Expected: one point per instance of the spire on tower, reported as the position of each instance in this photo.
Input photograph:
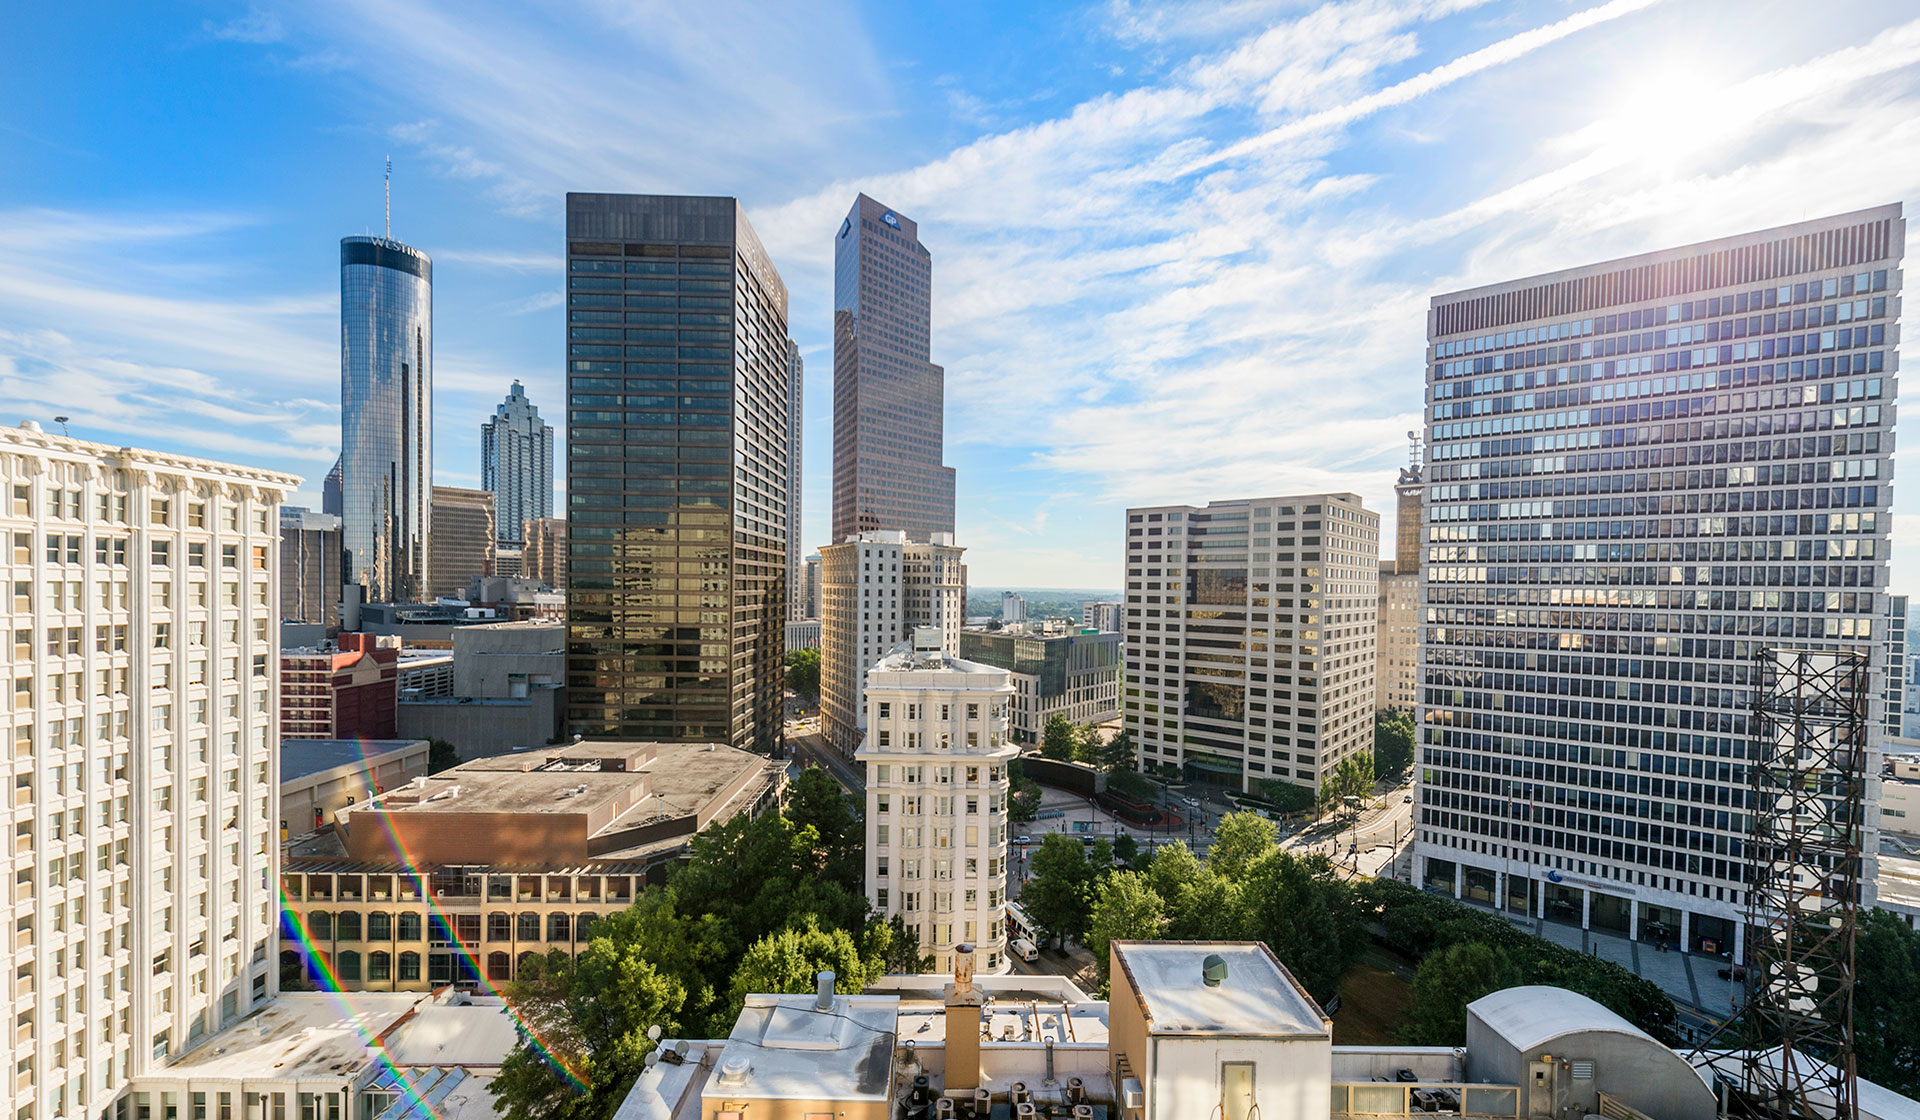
(389, 187)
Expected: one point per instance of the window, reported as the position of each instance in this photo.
(349, 965)
(529, 927)
(347, 927)
(409, 930)
(379, 965)
(410, 962)
(380, 928)
(320, 925)
(558, 926)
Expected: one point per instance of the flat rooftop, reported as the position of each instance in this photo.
(1257, 997)
(783, 1048)
(329, 1036)
(683, 778)
(300, 758)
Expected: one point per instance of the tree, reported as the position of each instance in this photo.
(1304, 914)
(1392, 744)
(1886, 1002)
(582, 1024)
(1088, 744)
(1057, 739)
(1241, 839)
(441, 755)
(1124, 909)
(791, 960)
(803, 673)
(1446, 983)
(1352, 777)
(1115, 756)
(1059, 894)
(816, 800)
(1285, 796)
(1126, 850)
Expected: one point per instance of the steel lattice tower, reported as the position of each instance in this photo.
(1804, 862)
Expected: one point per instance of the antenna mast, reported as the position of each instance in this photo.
(389, 187)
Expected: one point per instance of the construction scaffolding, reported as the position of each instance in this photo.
(1804, 865)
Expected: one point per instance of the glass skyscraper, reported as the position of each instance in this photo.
(1642, 474)
(677, 459)
(889, 399)
(516, 464)
(386, 416)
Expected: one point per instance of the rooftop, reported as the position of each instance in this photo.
(1257, 997)
(1532, 1016)
(301, 758)
(783, 1047)
(331, 1036)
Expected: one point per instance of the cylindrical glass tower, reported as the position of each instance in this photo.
(386, 416)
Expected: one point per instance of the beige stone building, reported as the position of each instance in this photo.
(464, 874)
(1250, 640)
(1397, 678)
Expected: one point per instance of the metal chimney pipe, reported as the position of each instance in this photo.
(823, 991)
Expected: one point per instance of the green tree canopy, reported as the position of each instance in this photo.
(1301, 909)
(803, 673)
(791, 959)
(1115, 755)
(1241, 839)
(1886, 1002)
(1058, 741)
(1124, 909)
(1446, 983)
(1392, 744)
(1059, 894)
(816, 800)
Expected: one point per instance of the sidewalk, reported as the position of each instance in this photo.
(1691, 979)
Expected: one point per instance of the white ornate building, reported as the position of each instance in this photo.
(143, 600)
(936, 755)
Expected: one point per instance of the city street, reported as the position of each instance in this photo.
(808, 747)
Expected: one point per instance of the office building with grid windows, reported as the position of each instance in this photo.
(142, 707)
(1250, 637)
(874, 590)
(889, 399)
(677, 419)
(1640, 475)
(386, 417)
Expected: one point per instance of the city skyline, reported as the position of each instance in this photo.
(1168, 206)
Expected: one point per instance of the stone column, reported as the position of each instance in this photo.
(1633, 919)
(1539, 889)
(1739, 942)
(1500, 891)
(1586, 908)
(1459, 878)
(1686, 929)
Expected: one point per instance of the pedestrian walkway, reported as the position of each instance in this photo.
(1691, 979)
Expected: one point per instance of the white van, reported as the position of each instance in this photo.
(1024, 949)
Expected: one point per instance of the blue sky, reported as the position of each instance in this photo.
(1182, 251)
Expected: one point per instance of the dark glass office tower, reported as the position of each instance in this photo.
(677, 405)
(889, 398)
(386, 416)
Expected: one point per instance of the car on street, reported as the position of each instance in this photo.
(1192, 801)
(1407, 799)
(1023, 839)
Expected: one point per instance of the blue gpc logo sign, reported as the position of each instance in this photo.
(890, 219)
(1554, 877)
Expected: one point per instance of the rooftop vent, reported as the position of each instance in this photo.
(1213, 970)
(823, 991)
(733, 1071)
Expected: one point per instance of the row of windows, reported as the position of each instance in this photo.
(346, 925)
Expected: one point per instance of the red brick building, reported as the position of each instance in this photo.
(348, 692)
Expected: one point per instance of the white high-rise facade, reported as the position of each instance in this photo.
(1640, 475)
(936, 755)
(796, 397)
(874, 589)
(516, 465)
(1250, 637)
(143, 709)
